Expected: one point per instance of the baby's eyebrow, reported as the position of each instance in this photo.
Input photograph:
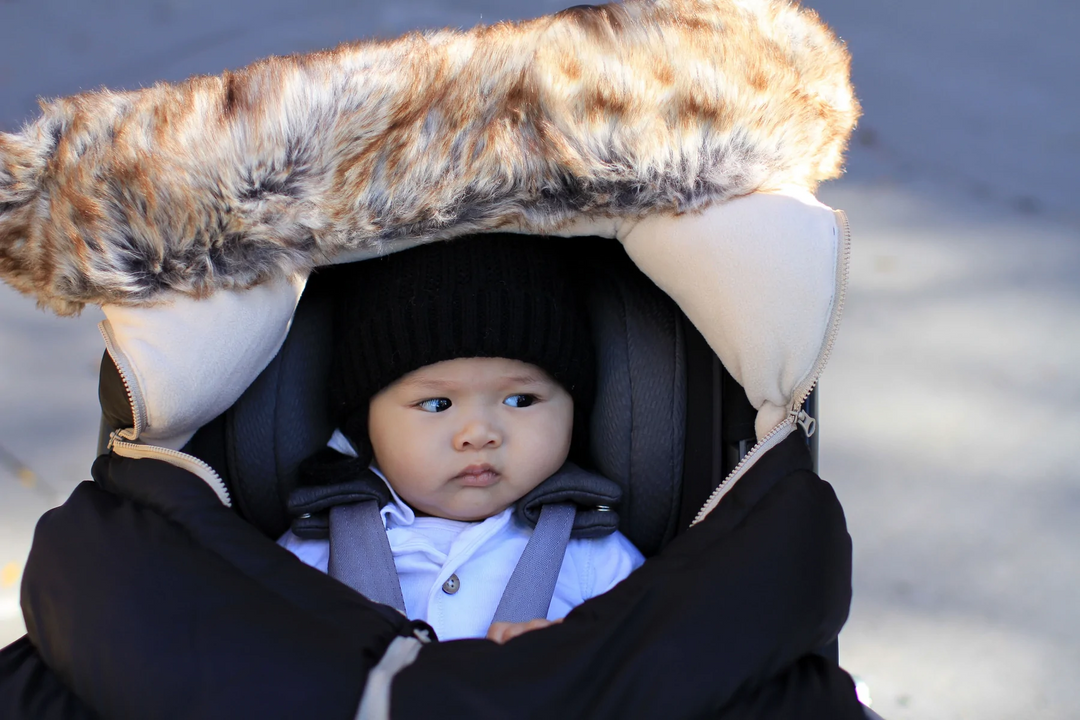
(429, 384)
(435, 384)
(525, 379)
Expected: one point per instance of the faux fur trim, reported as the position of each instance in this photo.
(619, 110)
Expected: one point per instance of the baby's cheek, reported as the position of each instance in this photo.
(405, 458)
(551, 446)
(564, 431)
(414, 470)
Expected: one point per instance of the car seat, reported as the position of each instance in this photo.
(668, 425)
(669, 422)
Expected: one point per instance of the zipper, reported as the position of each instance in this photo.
(805, 421)
(138, 407)
(195, 466)
(775, 436)
(797, 417)
(803, 390)
(122, 441)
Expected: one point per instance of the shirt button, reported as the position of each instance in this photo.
(452, 585)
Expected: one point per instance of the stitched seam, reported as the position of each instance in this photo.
(628, 503)
(675, 451)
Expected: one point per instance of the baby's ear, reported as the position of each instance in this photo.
(330, 467)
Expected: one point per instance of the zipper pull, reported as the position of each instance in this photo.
(807, 423)
(117, 436)
(121, 435)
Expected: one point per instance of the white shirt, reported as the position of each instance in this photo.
(428, 550)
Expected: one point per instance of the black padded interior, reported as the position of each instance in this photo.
(638, 421)
(282, 418)
(113, 396)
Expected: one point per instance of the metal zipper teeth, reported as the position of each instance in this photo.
(119, 440)
(138, 451)
(775, 436)
(781, 431)
(138, 411)
(840, 297)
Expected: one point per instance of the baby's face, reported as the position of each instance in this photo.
(464, 439)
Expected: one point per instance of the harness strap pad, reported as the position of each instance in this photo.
(360, 554)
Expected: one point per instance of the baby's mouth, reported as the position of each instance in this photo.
(477, 476)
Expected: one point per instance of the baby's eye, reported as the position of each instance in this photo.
(435, 405)
(520, 400)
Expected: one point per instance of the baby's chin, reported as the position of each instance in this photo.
(468, 511)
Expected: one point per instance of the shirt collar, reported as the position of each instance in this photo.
(396, 509)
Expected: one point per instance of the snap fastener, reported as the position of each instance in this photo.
(452, 585)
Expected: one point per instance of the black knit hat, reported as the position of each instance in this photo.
(483, 296)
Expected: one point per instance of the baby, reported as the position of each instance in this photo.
(464, 371)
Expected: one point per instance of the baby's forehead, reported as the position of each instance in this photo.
(477, 371)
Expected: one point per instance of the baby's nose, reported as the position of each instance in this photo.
(477, 433)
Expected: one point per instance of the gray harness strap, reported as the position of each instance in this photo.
(528, 592)
(360, 553)
(360, 557)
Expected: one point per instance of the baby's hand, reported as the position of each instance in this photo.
(500, 632)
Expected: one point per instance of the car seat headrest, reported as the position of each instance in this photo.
(636, 426)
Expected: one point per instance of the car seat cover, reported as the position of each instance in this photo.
(691, 130)
(756, 275)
